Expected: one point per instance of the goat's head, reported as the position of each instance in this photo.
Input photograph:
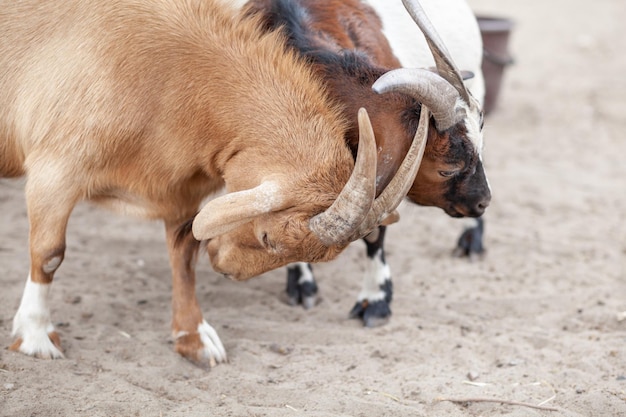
(452, 175)
(289, 218)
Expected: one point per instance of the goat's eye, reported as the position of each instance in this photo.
(447, 173)
(266, 242)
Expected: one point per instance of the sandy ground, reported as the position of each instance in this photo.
(536, 321)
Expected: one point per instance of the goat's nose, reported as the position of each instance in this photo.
(482, 206)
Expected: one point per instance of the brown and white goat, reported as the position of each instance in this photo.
(344, 42)
(147, 107)
(458, 28)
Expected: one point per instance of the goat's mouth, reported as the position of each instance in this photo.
(463, 211)
(454, 212)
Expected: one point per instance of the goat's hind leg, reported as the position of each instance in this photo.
(373, 302)
(50, 202)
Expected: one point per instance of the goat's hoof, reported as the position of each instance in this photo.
(44, 346)
(470, 243)
(203, 347)
(373, 313)
(471, 255)
(304, 294)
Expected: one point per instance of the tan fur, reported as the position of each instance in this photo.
(148, 106)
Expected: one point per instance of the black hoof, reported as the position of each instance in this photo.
(373, 314)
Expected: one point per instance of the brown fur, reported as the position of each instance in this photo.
(148, 106)
(429, 187)
(351, 26)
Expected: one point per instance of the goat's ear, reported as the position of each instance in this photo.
(467, 75)
(392, 218)
(227, 212)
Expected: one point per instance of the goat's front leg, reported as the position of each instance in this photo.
(195, 339)
(301, 285)
(50, 202)
(372, 305)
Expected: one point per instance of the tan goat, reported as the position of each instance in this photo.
(148, 106)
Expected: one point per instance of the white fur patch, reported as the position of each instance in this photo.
(376, 274)
(305, 272)
(32, 322)
(455, 23)
(472, 125)
(213, 347)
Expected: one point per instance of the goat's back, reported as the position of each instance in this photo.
(111, 88)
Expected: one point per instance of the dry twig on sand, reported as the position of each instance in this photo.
(495, 400)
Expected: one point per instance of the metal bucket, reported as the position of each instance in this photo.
(495, 33)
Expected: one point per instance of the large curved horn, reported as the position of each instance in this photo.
(399, 186)
(443, 60)
(231, 210)
(338, 223)
(427, 88)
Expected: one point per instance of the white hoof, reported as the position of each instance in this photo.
(32, 324)
(213, 350)
(38, 344)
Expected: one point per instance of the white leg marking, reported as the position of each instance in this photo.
(32, 322)
(213, 348)
(376, 274)
(305, 272)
